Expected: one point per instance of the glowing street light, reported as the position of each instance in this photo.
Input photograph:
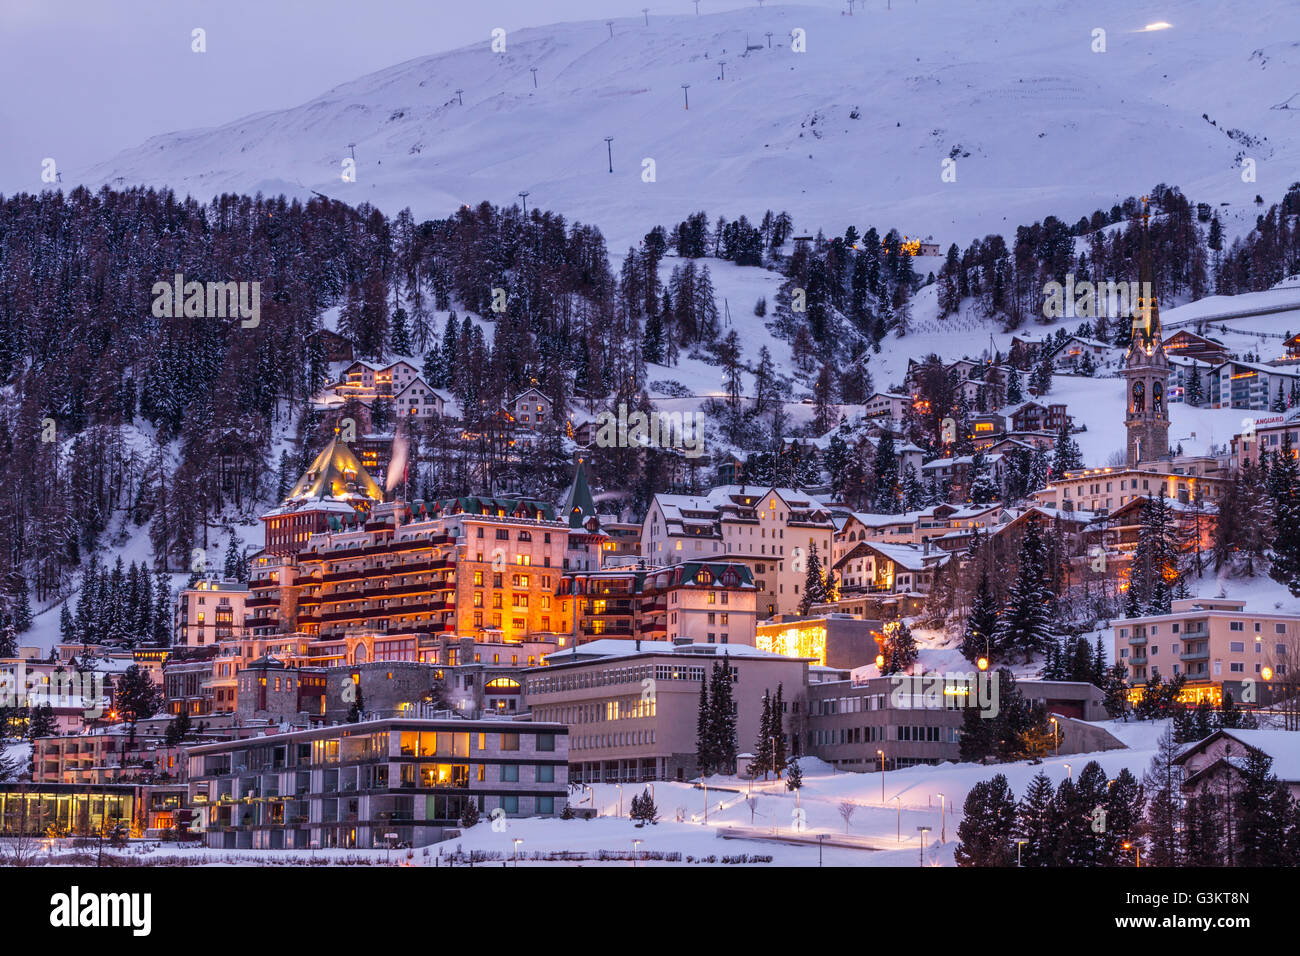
(881, 753)
(635, 844)
(518, 840)
(1019, 844)
(1138, 850)
(923, 831)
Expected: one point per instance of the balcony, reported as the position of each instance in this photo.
(1137, 659)
(1200, 654)
(1136, 641)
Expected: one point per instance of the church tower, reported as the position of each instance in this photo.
(1146, 369)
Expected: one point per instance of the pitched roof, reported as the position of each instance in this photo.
(578, 504)
(336, 473)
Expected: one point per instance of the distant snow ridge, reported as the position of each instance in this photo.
(852, 131)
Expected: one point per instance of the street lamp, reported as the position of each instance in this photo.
(686, 94)
(610, 149)
(882, 776)
(1069, 772)
(518, 840)
(923, 831)
(1056, 737)
(620, 798)
(1019, 844)
(899, 801)
(1138, 850)
(943, 818)
(821, 841)
(635, 844)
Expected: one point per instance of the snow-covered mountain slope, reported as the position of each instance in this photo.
(852, 131)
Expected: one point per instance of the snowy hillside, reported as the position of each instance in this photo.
(852, 131)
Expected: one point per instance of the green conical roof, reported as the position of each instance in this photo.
(578, 504)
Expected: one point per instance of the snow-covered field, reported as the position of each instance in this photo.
(852, 131)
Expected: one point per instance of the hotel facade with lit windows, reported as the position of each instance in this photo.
(1215, 644)
(1107, 489)
(770, 529)
(375, 783)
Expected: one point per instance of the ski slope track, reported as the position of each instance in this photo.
(852, 131)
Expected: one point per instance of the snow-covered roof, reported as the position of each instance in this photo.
(610, 647)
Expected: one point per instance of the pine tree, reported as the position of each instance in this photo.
(776, 731)
(1164, 782)
(136, 695)
(884, 478)
(1155, 569)
(40, 722)
(21, 604)
(984, 836)
(793, 775)
(1025, 624)
(1125, 804)
(1067, 456)
(814, 587)
(900, 651)
(722, 717)
(762, 761)
(706, 752)
(67, 625)
(8, 640)
(1034, 824)
(1015, 391)
(1283, 487)
(162, 613)
(1262, 814)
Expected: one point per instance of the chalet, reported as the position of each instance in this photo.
(1073, 349)
(1187, 343)
(419, 400)
(1215, 763)
(531, 410)
(887, 405)
(876, 567)
(335, 347)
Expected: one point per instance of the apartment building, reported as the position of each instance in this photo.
(1250, 385)
(1215, 643)
(770, 529)
(631, 706)
(208, 612)
(374, 783)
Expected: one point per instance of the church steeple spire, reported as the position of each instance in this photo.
(1146, 366)
(1146, 311)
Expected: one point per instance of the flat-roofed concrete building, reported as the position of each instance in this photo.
(374, 783)
(851, 723)
(631, 706)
